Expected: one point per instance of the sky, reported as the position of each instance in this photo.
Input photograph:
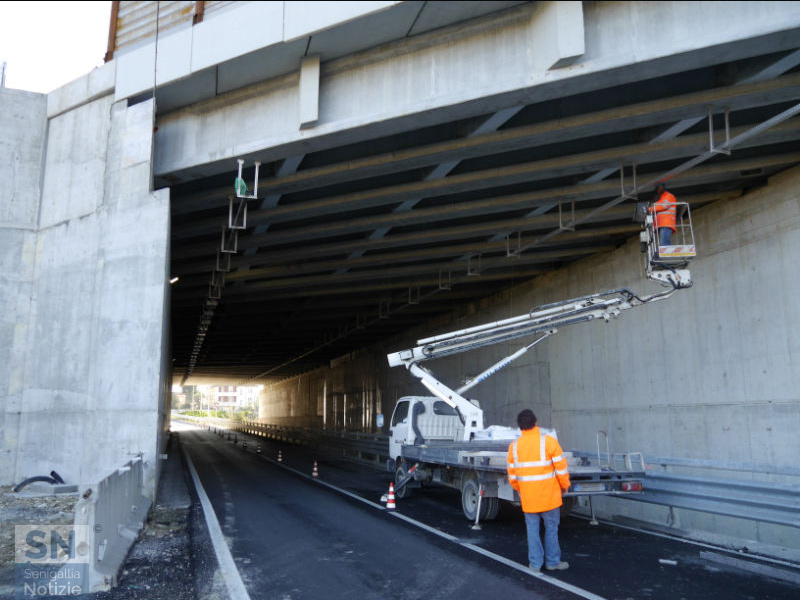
(48, 44)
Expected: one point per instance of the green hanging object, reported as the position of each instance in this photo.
(240, 186)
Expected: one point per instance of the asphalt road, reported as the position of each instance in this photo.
(293, 537)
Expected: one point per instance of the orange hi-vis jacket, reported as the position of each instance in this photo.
(537, 469)
(665, 211)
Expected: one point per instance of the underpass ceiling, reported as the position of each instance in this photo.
(347, 246)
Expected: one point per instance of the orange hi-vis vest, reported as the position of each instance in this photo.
(537, 469)
(665, 210)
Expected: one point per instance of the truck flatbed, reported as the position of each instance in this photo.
(589, 474)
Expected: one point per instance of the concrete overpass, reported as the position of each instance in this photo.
(424, 165)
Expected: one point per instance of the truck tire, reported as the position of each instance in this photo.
(399, 474)
(492, 508)
(470, 491)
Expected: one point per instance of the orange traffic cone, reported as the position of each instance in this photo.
(315, 472)
(280, 456)
(390, 505)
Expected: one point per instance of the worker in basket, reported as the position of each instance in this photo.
(665, 210)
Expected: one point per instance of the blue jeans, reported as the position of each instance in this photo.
(664, 236)
(551, 554)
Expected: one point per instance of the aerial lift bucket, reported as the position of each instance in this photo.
(667, 264)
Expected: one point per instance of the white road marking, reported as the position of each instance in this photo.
(450, 538)
(233, 580)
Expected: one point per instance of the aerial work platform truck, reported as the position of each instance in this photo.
(442, 439)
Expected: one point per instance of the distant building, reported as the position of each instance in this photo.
(233, 397)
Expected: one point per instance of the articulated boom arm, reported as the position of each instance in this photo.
(542, 322)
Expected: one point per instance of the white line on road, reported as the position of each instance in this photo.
(502, 559)
(233, 580)
(450, 538)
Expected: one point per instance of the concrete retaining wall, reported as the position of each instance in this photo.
(23, 122)
(85, 268)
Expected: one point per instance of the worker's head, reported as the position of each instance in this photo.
(660, 189)
(526, 419)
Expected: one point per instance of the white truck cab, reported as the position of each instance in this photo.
(417, 420)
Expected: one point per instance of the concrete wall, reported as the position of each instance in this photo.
(85, 267)
(347, 397)
(23, 121)
(710, 373)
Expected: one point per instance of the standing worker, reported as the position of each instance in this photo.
(665, 210)
(537, 469)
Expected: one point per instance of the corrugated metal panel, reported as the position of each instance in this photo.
(136, 20)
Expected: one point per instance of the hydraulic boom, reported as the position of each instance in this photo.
(541, 322)
(664, 264)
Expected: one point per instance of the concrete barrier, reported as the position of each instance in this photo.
(109, 516)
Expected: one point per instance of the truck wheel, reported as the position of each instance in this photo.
(470, 492)
(492, 508)
(399, 475)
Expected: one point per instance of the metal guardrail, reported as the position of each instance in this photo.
(367, 448)
(757, 501)
(754, 499)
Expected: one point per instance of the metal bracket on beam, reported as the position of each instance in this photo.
(224, 262)
(711, 147)
(241, 187)
(473, 271)
(238, 220)
(445, 283)
(413, 295)
(516, 252)
(570, 224)
(216, 285)
(634, 193)
(229, 246)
